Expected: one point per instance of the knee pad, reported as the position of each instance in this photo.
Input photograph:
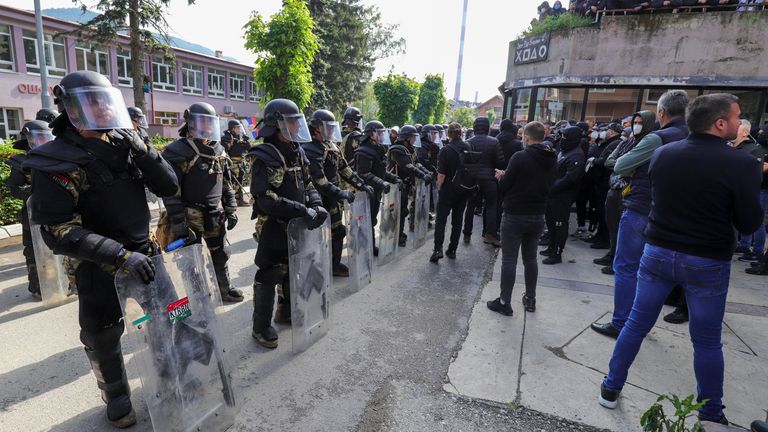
(103, 340)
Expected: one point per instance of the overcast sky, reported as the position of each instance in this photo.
(431, 29)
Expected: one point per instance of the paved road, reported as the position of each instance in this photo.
(382, 366)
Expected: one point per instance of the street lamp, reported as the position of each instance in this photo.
(44, 96)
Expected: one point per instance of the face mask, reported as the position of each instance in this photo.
(594, 135)
(637, 129)
(602, 135)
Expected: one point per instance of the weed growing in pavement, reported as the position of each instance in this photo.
(656, 420)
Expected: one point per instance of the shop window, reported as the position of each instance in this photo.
(166, 118)
(520, 112)
(163, 75)
(651, 97)
(215, 83)
(749, 102)
(607, 104)
(92, 58)
(236, 87)
(10, 122)
(192, 78)
(55, 53)
(555, 104)
(6, 48)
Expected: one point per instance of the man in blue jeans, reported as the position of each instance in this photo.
(670, 113)
(690, 241)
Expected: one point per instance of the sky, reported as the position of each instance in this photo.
(431, 29)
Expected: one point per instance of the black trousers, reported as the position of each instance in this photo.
(601, 192)
(613, 209)
(558, 214)
(405, 199)
(449, 202)
(29, 252)
(272, 260)
(519, 234)
(584, 201)
(489, 194)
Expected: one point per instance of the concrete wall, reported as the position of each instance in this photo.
(698, 49)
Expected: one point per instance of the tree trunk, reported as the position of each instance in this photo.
(137, 56)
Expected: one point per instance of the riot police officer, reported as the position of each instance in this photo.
(88, 196)
(205, 179)
(402, 161)
(237, 144)
(282, 189)
(140, 123)
(33, 134)
(46, 114)
(371, 166)
(326, 165)
(427, 154)
(351, 131)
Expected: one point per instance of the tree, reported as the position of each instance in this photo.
(286, 47)
(431, 105)
(366, 102)
(491, 114)
(143, 20)
(351, 37)
(464, 116)
(396, 96)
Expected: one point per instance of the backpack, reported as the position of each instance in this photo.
(464, 181)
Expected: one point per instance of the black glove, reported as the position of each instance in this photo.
(131, 140)
(386, 187)
(315, 217)
(179, 229)
(136, 263)
(428, 178)
(348, 196)
(369, 190)
(231, 221)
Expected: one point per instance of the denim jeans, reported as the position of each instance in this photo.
(757, 239)
(705, 282)
(519, 233)
(629, 249)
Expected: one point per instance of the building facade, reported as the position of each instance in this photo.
(624, 63)
(192, 77)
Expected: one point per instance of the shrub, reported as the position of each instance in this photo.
(10, 207)
(555, 23)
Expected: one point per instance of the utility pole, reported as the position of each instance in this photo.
(457, 91)
(44, 95)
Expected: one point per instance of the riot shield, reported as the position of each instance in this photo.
(309, 269)
(360, 242)
(54, 284)
(175, 325)
(435, 196)
(421, 213)
(389, 224)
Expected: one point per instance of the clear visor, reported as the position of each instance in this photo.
(435, 136)
(383, 135)
(97, 108)
(37, 138)
(417, 142)
(331, 131)
(238, 130)
(360, 124)
(294, 128)
(204, 127)
(443, 135)
(143, 122)
(246, 127)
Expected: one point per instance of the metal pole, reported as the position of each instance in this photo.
(44, 95)
(457, 90)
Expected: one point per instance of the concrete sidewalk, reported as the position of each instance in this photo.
(551, 361)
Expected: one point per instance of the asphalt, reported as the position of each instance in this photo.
(382, 366)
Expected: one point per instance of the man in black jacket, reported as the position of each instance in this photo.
(491, 158)
(524, 185)
(402, 162)
(570, 169)
(610, 139)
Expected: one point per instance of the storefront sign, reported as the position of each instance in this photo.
(533, 49)
(32, 88)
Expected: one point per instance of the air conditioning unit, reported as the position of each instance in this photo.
(228, 109)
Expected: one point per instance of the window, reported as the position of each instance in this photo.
(10, 122)
(124, 68)
(163, 75)
(520, 112)
(6, 48)
(55, 54)
(651, 97)
(604, 106)
(166, 118)
(236, 87)
(555, 104)
(92, 58)
(192, 79)
(749, 102)
(215, 83)
(257, 93)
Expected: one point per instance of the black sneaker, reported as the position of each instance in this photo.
(529, 303)
(496, 306)
(605, 260)
(451, 253)
(547, 252)
(608, 398)
(742, 249)
(761, 269)
(266, 338)
(436, 255)
(606, 329)
(607, 270)
(759, 426)
(553, 259)
(750, 257)
(678, 316)
(120, 412)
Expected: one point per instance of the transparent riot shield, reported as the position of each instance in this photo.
(309, 269)
(175, 325)
(389, 225)
(359, 238)
(54, 284)
(435, 196)
(421, 214)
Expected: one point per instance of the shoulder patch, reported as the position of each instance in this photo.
(62, 180)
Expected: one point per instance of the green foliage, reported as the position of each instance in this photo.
(366, 102)
(397, 95)
(159, 142)
(656, 420)
(10, 207)
(555, 23)
(286, 47)
(351, 37)
(464, 116)
(491, 114)
(431, 106)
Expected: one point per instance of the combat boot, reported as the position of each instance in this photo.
(403, 241)
(266, 337)
(282, 312)
(436, 255)
(232, 296)
(451, 252)
(340, 270)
